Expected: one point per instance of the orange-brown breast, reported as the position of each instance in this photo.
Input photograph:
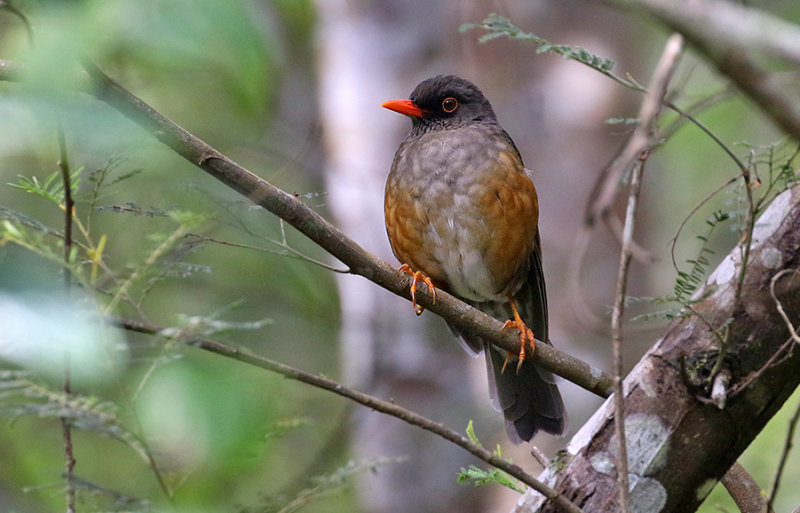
(407, 225)
(511, 210)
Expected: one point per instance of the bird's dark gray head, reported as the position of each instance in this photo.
(442, 102)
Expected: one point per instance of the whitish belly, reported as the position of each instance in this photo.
(460, 246)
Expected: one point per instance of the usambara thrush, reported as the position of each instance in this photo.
(462, 215)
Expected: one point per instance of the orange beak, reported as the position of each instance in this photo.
(406, 107)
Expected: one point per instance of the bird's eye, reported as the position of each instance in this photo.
(449, 104)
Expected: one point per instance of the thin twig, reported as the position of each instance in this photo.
(744, 251)
(779, 305)
(616, 336)
(639, 145)
(66, 426)
(787, 447)
(714, 137)
(772, 181)
(749, 226)
(369, 401)
(776, 358)
(674, 240)
(690, 114)
(69, 204)
(286, 250)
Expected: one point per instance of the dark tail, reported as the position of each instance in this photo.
(529, 399)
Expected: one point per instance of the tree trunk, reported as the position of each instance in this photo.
(679, 442)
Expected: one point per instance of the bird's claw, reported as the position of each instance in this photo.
(525, 336)
(416, 277)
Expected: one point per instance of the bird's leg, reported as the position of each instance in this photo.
(416, 277)
(525, 335)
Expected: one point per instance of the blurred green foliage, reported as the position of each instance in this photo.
(157, 239)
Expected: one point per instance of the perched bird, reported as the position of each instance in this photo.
(462, 215)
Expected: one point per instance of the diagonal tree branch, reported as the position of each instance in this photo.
(66, 425)
(369, 401)
(318, 229)
(725, 33)
(726, 23)
(787, 447)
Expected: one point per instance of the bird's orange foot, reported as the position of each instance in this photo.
(416, 277)
(525, 336)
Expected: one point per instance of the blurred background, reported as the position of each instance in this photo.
(291, 89)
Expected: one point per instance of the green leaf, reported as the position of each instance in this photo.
(500, 26)
(478, 477)
(52, 188)
(471, 434)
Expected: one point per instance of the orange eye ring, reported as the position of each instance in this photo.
(449, 104)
